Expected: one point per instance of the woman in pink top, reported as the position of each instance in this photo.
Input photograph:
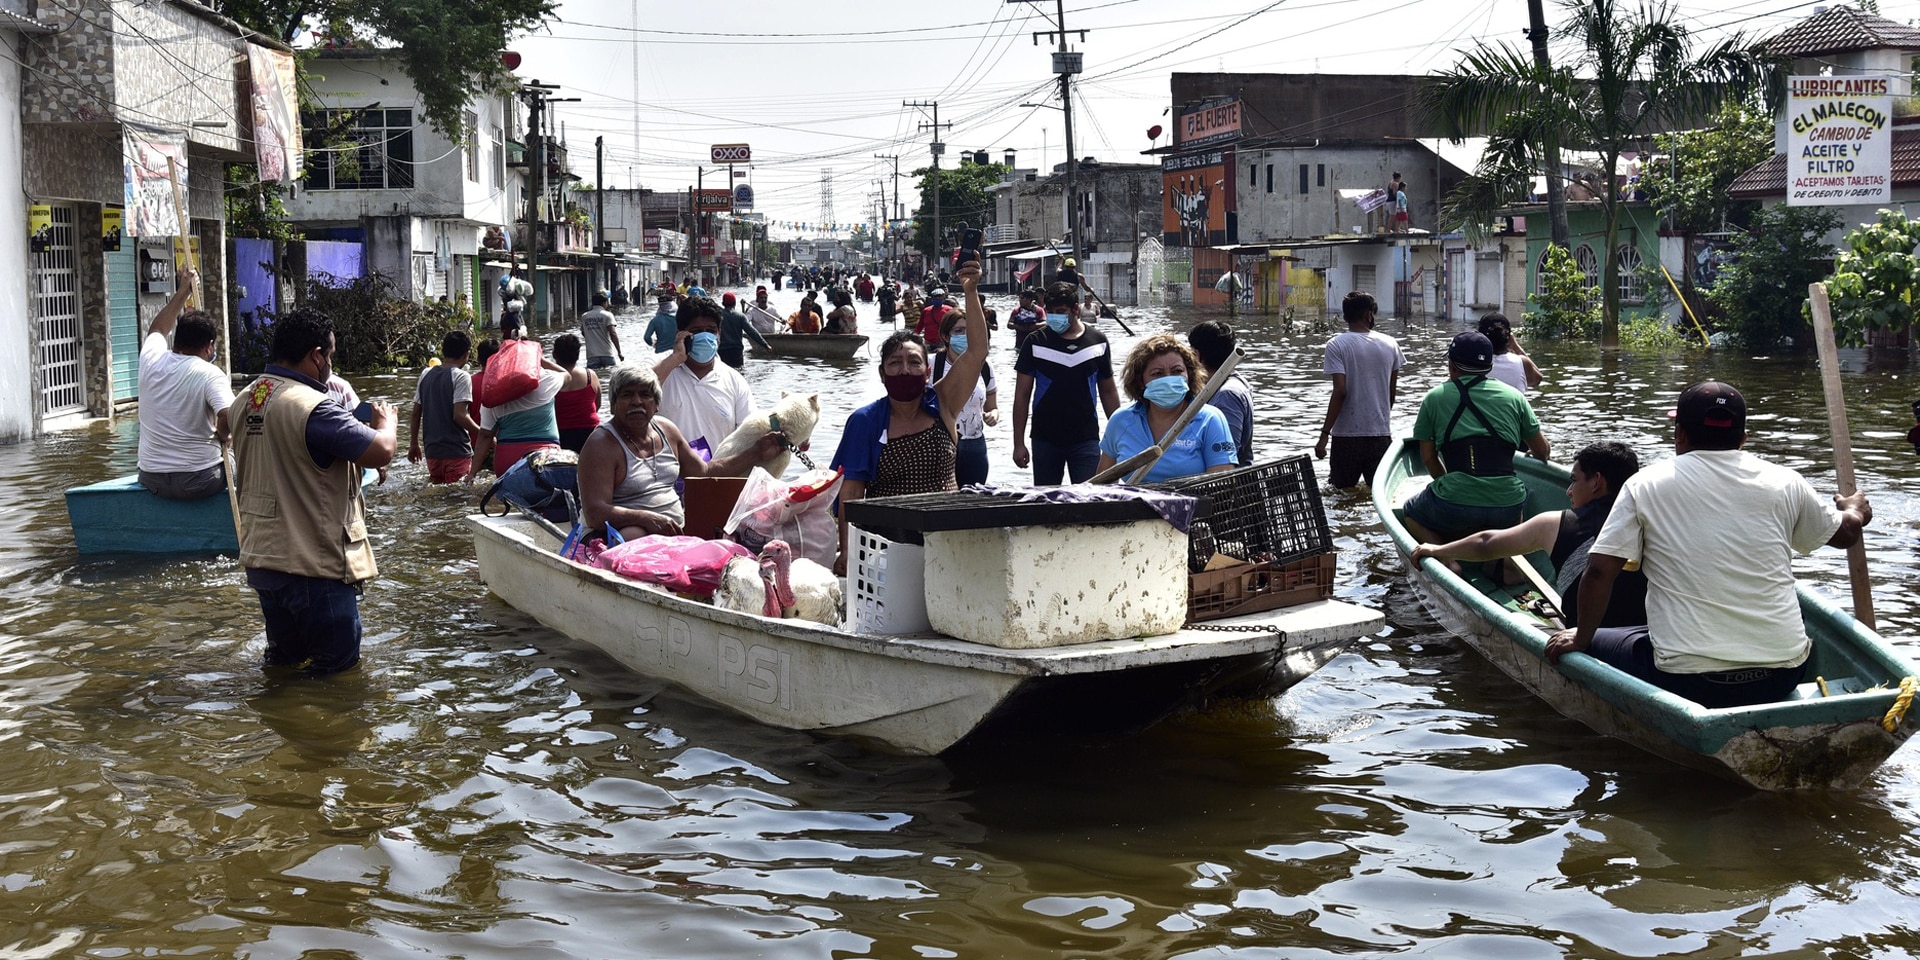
(575, 412)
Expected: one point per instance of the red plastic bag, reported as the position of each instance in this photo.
(681, 564)
(511, 373)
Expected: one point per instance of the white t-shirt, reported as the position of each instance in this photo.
(1369, 361)
(1509, 369)
(179, 397)
(1715, 532)
(710, 407)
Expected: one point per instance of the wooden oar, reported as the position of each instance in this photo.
(1544, 588)
(1151, 455)
(227, 463)
(1842, 445)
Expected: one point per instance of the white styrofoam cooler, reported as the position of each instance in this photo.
(1024, 587)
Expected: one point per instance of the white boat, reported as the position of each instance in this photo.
(917, 693)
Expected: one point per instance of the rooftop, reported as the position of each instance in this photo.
(1843, 29)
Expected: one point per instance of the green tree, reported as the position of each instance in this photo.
(1688, 184)
(1764, 289)
(451, 47)
(964, 202)
(1876, 280)
(1633, 71)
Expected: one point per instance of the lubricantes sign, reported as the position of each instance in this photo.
(1214, 121)
(1839, 141)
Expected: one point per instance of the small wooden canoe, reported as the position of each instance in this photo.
(825, 346)
(1813, 741)
(121, 516)
(917, 693)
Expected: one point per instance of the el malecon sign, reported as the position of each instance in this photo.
(1839, 141)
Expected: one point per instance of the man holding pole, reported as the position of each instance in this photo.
(1714, 529)
(183, 402)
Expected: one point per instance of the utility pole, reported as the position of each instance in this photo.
(537, 95)
(1066, 63)
(1556, 188)
(600, 208)
(937, 148)
(893, 233)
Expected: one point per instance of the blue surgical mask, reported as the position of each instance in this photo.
(957, 343)
(702, 347)
(1166, 392)
(1059, 322)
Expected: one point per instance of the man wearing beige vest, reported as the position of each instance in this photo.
(303, 525)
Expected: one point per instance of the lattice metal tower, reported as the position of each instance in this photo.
(826, 195)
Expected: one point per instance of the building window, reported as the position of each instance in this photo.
(1633, 285)
(1253, 175)
(1269, 178)
(382, 160)
(470, 123)
(499, 159)
(1589, 264)
(1319, 174)
(1303, 178)
(1540, 270)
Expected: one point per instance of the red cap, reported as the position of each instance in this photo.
(727, 299)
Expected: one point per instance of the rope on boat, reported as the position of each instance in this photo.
(1822, 681)
(1898, 711)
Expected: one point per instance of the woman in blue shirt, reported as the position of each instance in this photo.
(1161, 375)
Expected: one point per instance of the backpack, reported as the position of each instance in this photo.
(546, 481)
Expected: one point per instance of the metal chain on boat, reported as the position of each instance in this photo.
(1225, 628)
(1898, 711)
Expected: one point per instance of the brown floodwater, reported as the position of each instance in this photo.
(487, 788)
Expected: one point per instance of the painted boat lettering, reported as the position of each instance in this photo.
(765, 670)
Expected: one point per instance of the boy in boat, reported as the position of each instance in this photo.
(1599, 470)
(183, 403)
(1714, 529)
(1469, 429)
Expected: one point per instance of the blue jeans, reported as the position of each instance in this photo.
(1051, 460)
(313, 625)
(1450, 521)
(970, 461)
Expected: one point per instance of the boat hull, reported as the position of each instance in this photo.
(121, 516)
(1810, 742)
(824, 346)
(917, 694)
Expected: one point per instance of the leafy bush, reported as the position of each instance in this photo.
(372, 328)
(1652, 332)
(1761, 293)
(1876, 280)
(1567, 306)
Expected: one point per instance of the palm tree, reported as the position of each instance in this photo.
(1634, 73)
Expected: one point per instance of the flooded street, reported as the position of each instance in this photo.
(486, 788)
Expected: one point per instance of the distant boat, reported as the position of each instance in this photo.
(825, 346)
(1819, 739)
(121, 516)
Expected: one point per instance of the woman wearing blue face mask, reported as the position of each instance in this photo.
(982, 409)
(1161, 375)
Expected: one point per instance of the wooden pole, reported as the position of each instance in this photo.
(193, 300)
(1842, 445)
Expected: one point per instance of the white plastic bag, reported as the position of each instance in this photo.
(799, 512)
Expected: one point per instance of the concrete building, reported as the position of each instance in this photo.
(19, 411)
(1282, 179)
(422, 204)
(113, 87)
(1118, 208)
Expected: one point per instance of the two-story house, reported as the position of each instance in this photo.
(120, 105)
(422, 204)
(1117, 208)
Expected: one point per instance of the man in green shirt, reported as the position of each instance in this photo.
(1469, 429)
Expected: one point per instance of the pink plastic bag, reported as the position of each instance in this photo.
(681, 564)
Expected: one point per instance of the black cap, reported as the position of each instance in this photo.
(1713, 405)
(1471, 352)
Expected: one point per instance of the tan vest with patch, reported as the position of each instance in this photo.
(295, 517)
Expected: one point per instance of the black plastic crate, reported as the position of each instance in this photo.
(1268, 512)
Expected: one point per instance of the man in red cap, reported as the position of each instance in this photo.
(735, 330)
(1714, 529)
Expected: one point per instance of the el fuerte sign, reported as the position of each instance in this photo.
(1839, 141)
(1213, 121)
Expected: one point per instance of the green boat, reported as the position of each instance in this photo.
(1831, 739)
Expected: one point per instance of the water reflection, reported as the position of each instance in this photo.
(486, 788)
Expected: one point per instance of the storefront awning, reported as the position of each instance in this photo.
(1041, 253)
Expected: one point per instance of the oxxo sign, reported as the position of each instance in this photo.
(732, 153)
